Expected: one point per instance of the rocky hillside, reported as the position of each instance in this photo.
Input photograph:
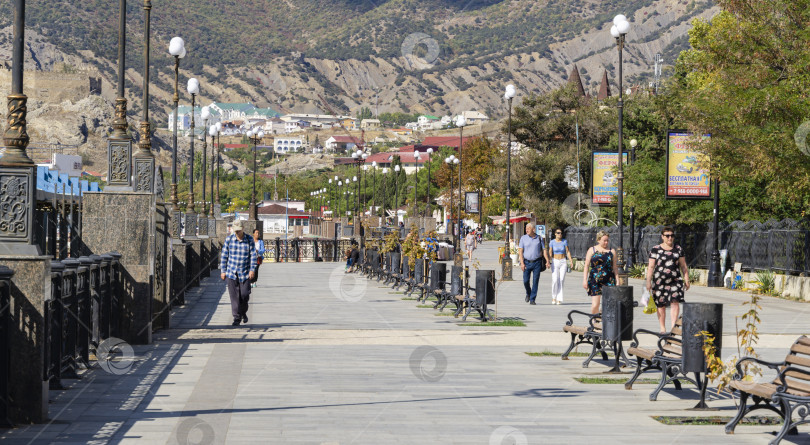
(396, 55)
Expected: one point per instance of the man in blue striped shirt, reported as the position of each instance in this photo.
(238, 266)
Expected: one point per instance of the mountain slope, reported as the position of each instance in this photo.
(396, 55)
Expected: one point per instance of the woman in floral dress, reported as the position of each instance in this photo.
(600, 269)
(667, 277)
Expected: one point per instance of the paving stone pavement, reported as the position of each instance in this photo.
(330, 358)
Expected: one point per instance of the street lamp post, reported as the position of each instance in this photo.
(383, 184)
(416, 158)
(255, 138)
(144, 159)
(205, 115)
(396, 195)
(449, 221)
(212, 131)
(427, 209)
(461, 122)
(715, 278)
(193, 88)
(619, 31)
(338, 191)
(631, 258)
(119, 146)
(219, 131)
(506, 272)
(178, 50)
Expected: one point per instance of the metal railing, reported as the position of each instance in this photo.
(83, 310)
(774, 245)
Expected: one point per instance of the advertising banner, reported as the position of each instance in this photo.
(471, 202)
(687, 169)
(604, 184)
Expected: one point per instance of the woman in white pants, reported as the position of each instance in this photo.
(559, 265)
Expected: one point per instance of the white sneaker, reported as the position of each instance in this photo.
(553, 301)
(559, 302)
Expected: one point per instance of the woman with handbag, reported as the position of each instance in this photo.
(667, 277)
(559, 265)
(600, 269)
(259, 245)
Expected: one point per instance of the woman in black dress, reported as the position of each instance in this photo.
(600, 269)
(667, 277)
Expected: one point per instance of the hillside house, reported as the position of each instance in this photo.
(341, 144)
(286, 145)
(370, 124)
(475, 117)
(428, 122)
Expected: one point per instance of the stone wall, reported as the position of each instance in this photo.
(54, 87)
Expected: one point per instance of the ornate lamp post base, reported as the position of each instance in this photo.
(506, 273)
(621, 279)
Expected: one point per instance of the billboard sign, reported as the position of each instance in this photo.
(687, 169)
(604, 184)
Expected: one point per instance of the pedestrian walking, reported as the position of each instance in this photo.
(259, 245)
(667, 277)
(559, 265)
(533, 258)
(471, 241)
(600, 269)
(238, 266)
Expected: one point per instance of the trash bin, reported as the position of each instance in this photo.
(699, 317)
(617, 313)
(395, 263)
(419, 271)
(456, 280)
(485, 288)
(438, 276)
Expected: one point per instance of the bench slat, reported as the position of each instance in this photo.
(765, 390)
(803, 340)
(798, 360)
(676, 330)
(672, 349)
(800, 349)
(801, 388)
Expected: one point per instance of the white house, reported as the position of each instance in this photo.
(231, 111)
(295, 126)
(427, 121)
(274, 126)
(342, 144)
(286, 145)
(474, 117)
(370, 124)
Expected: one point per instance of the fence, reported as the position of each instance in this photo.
(775, 245)
(82, 310)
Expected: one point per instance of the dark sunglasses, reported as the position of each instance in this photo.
(668, 236)
(560, 233)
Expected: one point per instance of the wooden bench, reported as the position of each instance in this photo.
(665, 356)
(466, 303)
(585, 333)
(787, 392)
(444, 297)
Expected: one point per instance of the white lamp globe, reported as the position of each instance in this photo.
(618, 19)
(429, 150)
(354, 155)
(182, 53)
(354, 178)
(330, 181)
(250, 133)
(206, 113)
(365, 156)
(336, 178)
(219, 126)
(456, 161)
(374, 163)
(447, 160)
(261, 133)
(461, 121)
(212, 130)
(510, 91)
(193, 86)
(340, 183)
(614, 31)
(385, 171)
(623, 27)
(396, 168)
(176, 45)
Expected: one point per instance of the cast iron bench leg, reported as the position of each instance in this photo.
(564, 356)
(595, 343)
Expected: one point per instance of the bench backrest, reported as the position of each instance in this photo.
(673, 346)
(798, 378)
(456, 280)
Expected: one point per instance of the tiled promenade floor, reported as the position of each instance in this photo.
(333, 359)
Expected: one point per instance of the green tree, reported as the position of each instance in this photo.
(745, 81)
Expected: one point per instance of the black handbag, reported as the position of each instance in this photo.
(542, 263)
